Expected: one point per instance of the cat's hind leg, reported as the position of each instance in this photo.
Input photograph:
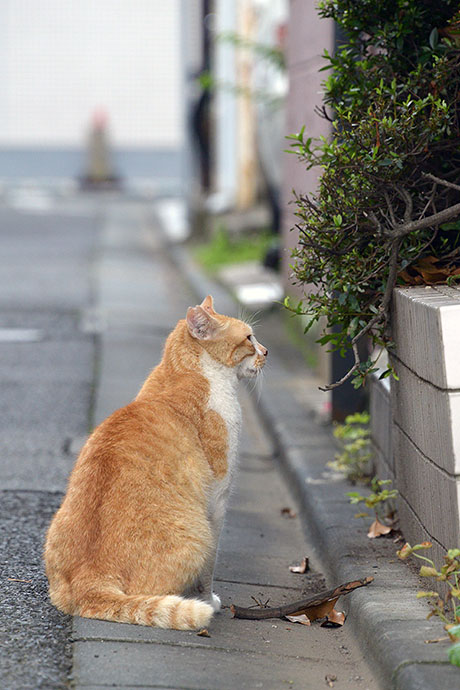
(204, 586)
(216, 517)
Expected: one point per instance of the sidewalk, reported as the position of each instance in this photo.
(388, 620)
(140, 297)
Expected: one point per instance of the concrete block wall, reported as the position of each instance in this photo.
(416, 427)
(382, 422)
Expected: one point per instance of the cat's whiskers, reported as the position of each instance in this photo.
(252, 319)
(249, 317)
(257, 387)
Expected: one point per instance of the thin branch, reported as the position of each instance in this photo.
(445, 183)
(382, 315)
(386, 218)
(435, 219)
(406, 197)
(298, 607)
(391, 281)
(430, 200)
(322, 112)
(349, 374)
(307, 241)
(392, 274)
(390, 208)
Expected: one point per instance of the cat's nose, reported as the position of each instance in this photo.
(259, 348)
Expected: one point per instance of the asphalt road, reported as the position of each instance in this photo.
(46, 374)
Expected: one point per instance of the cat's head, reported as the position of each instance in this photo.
(227, 340)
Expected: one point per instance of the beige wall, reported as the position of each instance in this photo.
(308, 36)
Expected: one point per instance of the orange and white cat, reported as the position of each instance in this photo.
(140, 523)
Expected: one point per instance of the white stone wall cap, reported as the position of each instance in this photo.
(426, 325)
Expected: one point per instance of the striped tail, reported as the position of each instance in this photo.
(166, 611)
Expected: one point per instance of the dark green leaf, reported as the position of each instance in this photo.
(434, 38)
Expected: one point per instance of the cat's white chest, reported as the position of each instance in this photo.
(223, 400)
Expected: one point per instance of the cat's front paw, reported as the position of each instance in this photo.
(215, 602)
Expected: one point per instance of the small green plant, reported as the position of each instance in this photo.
(355, 456)
(380, 500)
(447, 607)
(223, 248)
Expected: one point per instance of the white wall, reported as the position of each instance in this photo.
(60, 60)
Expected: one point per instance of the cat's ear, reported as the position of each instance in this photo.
(201, 324)
(208, 305)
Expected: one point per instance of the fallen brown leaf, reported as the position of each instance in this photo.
(377, 529)
(330, 680)
(430, 270)
(315, 612)
(288, 513)
(203, 633)
(302, 568)
(335, 619)
(303, 619)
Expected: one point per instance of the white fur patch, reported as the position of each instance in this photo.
(256, 344)
(223, 400)
(215, 603)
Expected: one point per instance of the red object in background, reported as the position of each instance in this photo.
(100, 119)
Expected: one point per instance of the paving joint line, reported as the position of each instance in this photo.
(195, 645)
(255, 584)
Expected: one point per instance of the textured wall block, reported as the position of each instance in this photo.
(429, 416)
(426, 329)
(431, 493)
(381, 468)
(381, 418)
